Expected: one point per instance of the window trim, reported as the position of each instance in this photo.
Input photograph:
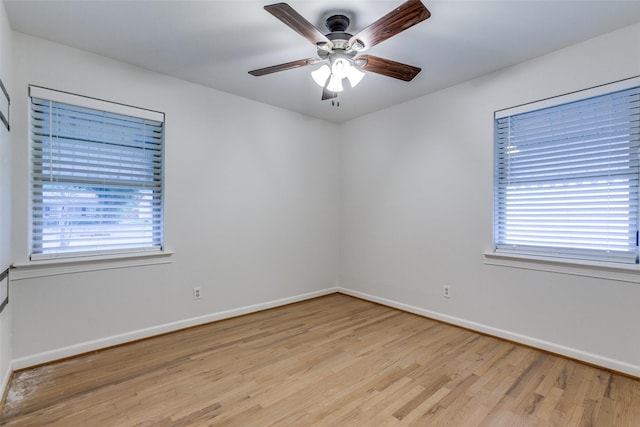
(95, 103)
(54, 267)
(574, 267)
(569, 97)
(82, 260)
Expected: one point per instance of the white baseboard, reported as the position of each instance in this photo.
(591, 358)
(85, 347)
(61, 353)
(6, 377)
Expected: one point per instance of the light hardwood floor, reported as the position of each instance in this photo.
(330, 361)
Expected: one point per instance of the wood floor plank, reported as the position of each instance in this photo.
(334, 360)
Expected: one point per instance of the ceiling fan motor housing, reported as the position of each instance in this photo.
(337, 26)
(337, 23)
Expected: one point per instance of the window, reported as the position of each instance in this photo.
(96, 176)
(567, 175)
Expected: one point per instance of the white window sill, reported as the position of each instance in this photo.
(53, 267)
(600, 270)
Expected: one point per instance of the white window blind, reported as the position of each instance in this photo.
(567, 177)
(97, 176)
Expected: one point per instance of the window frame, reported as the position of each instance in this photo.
(522, 257)
(70, 257)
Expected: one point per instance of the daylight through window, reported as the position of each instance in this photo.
(97, 176)
(567, 176)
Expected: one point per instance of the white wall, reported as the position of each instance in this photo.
(261, 202)
(417, 213)
(251, 211)
(5, 199)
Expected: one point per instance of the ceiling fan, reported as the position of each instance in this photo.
(339, 51)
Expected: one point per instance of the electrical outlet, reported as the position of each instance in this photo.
(196, 293)
(446, 291)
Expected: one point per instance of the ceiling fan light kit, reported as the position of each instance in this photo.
(338, 50)
(340, 69)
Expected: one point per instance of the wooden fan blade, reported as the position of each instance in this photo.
(327, 94)
(405, 16)
(389, 68)
(295, 21)
(286, 66)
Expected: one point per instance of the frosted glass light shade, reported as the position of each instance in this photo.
(354, 76)
(340, 68)
(321, 75)
(335, 84)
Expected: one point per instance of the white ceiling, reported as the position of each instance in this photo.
(215, 42)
